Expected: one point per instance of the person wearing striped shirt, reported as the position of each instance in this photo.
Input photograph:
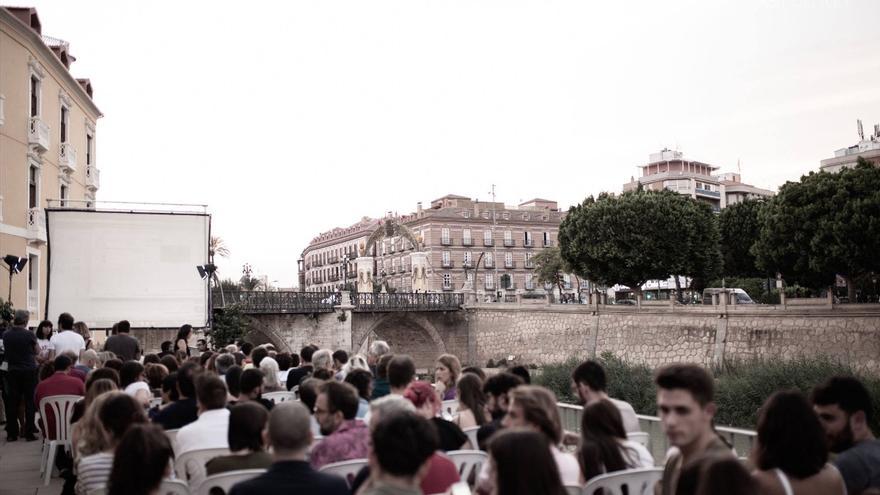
(117, 415)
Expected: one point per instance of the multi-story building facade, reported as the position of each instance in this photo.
(485, 245)
(47, 147)
(869, 149)
(670, 170)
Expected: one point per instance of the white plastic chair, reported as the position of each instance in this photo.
(172, 437)
(345, 469)
(155, 402)
(224, 481)
(450, 408)
(173, 487)
(574, 489)
(637, 482)
(641, 437)
(279, 397)
(471, 433)
(62, 409)
(190, 465)
(468, 462)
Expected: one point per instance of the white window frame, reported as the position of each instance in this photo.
(527, 238)
(35, 280)
(466, 235)
(468, 257)
(444, 235)
(445, 257)
(447, 280)
(489, 259)
(36, 164)
(487, 235)
(489, 281)
(508, 259)
(34, 74)
(508, 236)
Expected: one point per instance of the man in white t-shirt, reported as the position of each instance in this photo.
(209, 431)
(67, 339)
(589, 382)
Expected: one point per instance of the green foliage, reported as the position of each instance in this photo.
(6, 313)
(557, 377)
(739, 228)
(229, 326)
(549, 267)
(826, 224)
(228, 284)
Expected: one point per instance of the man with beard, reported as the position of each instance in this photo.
(588, 381)
(496, 389)
(844, 409)
(345, 437)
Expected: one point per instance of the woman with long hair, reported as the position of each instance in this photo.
(446, 374)
(88, 436)
(141, 461)
(714, 474)
(269, 367)
(44, 334)
(471, 402)
(520, 465)
(791, 453)
(604, 446)
(81, 328)
(181, 342)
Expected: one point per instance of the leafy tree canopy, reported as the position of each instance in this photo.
(739, 229)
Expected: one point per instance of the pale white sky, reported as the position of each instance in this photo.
(290, 118)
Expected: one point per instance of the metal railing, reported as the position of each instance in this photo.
(39, 133)
(509, 243)
(67, 157)
(740, 439)
(488, 242)
(467, 241)
(93, 178)
(36, 224)
(407, 301)
(277, 302)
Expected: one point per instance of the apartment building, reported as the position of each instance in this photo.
(47, 147)
(669, 169)
(488, 246)
(869, 149)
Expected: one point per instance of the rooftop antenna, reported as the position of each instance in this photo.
(861, 131)
(738, 167)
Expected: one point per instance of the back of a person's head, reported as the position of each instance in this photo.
(340, 356)
(247, 348)
(205, 359)
(501, 383)
(223, 363)
(847, 392)
(140, 461)
(89, 355)
(184, 332)
(379, 348)
(123, 326)
(119, 413)
(20, 317)
(360, 380)
(713, 474)
(308, 392)
(165, 346)
(186, 376)
(420, 393)
(239, 358)
(97, 387)
(790, 436)
(522, 372)
(62, 362)
(246, 424)
(233, 380)
(692, 378)
(113, 363)
(306, 352)
(382, 366)
(523, 463)
(258, 354)
(538, 406)
(294, 360)
(592, 374)
(151, 359)
(65, 321)
(169, 386)
(250, 380)
(155, 373)
(170, 362)
(108, 373)
(341, 397)
(601, 433)
(284, 361)
(403, 442)
(322, 359)
(130, 373)
(401, 371)
(475, 370)
(470, 393)
(211, 391)
(386, 405)
(289, 427)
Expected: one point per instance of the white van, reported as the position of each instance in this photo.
(742, 297)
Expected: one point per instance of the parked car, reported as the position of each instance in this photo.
(625, 302)
(742, 297)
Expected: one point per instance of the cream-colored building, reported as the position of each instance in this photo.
(47, 148)
(869, 149)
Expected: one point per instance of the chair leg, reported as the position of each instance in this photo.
(50, 462)
(44, 452)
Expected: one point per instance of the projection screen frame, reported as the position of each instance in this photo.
(46, 211)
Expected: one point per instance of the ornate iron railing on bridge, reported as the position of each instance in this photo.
(409, 301)
(277, 302)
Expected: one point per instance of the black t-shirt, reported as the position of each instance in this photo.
(178, 414)
(19, 344)
(296, 375)
(450, 435)
(484, 434)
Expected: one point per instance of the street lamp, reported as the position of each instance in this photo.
(206, 272)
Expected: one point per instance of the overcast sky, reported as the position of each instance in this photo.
(291, 118)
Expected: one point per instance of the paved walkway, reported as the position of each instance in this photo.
(20, 469)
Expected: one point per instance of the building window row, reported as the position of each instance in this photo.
(489, 238)
(467, 260)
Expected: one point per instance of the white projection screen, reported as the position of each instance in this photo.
(107, 266)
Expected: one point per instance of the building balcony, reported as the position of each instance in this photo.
(510, 264)
(318, 263)
(447, 286)
(33, 301)
(467, 264)
(489, 285)
(446, 241)
(333, 260)
(510, 287)
(93, 180)
(38, 134)
(36, 225)
(467, 241)
(509, 243)
(488, 242)
(529, 243)
(529, 264)
(548, 243)
(707, 193)
(530, 286)
(333, 278)
(446, 263)
(67, 158)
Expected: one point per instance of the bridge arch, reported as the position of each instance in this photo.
(406, 333)
(391, 228)
(259, 333)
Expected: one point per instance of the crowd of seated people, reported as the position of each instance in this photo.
(293, 416)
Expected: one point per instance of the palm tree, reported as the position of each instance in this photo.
(218, 247)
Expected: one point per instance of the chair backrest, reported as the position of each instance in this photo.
(172, 437)
(450, 407)
(224, 481)
(468, 462)
(278, 397)
(636, 481)
(155, 402)
(640, 437)
(61, 407)
(173, 487)
(471, 433)
(346, 469)
(574, 489)
(190, 465)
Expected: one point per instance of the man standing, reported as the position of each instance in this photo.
(589, 382)
(845, 411)
(67, 339)
(122, 344)
(685, 402)
(345, 437)
(21, 350)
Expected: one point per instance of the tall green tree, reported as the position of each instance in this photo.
(823, 225)
(549, 267)
(699, 255)
(739, 229)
